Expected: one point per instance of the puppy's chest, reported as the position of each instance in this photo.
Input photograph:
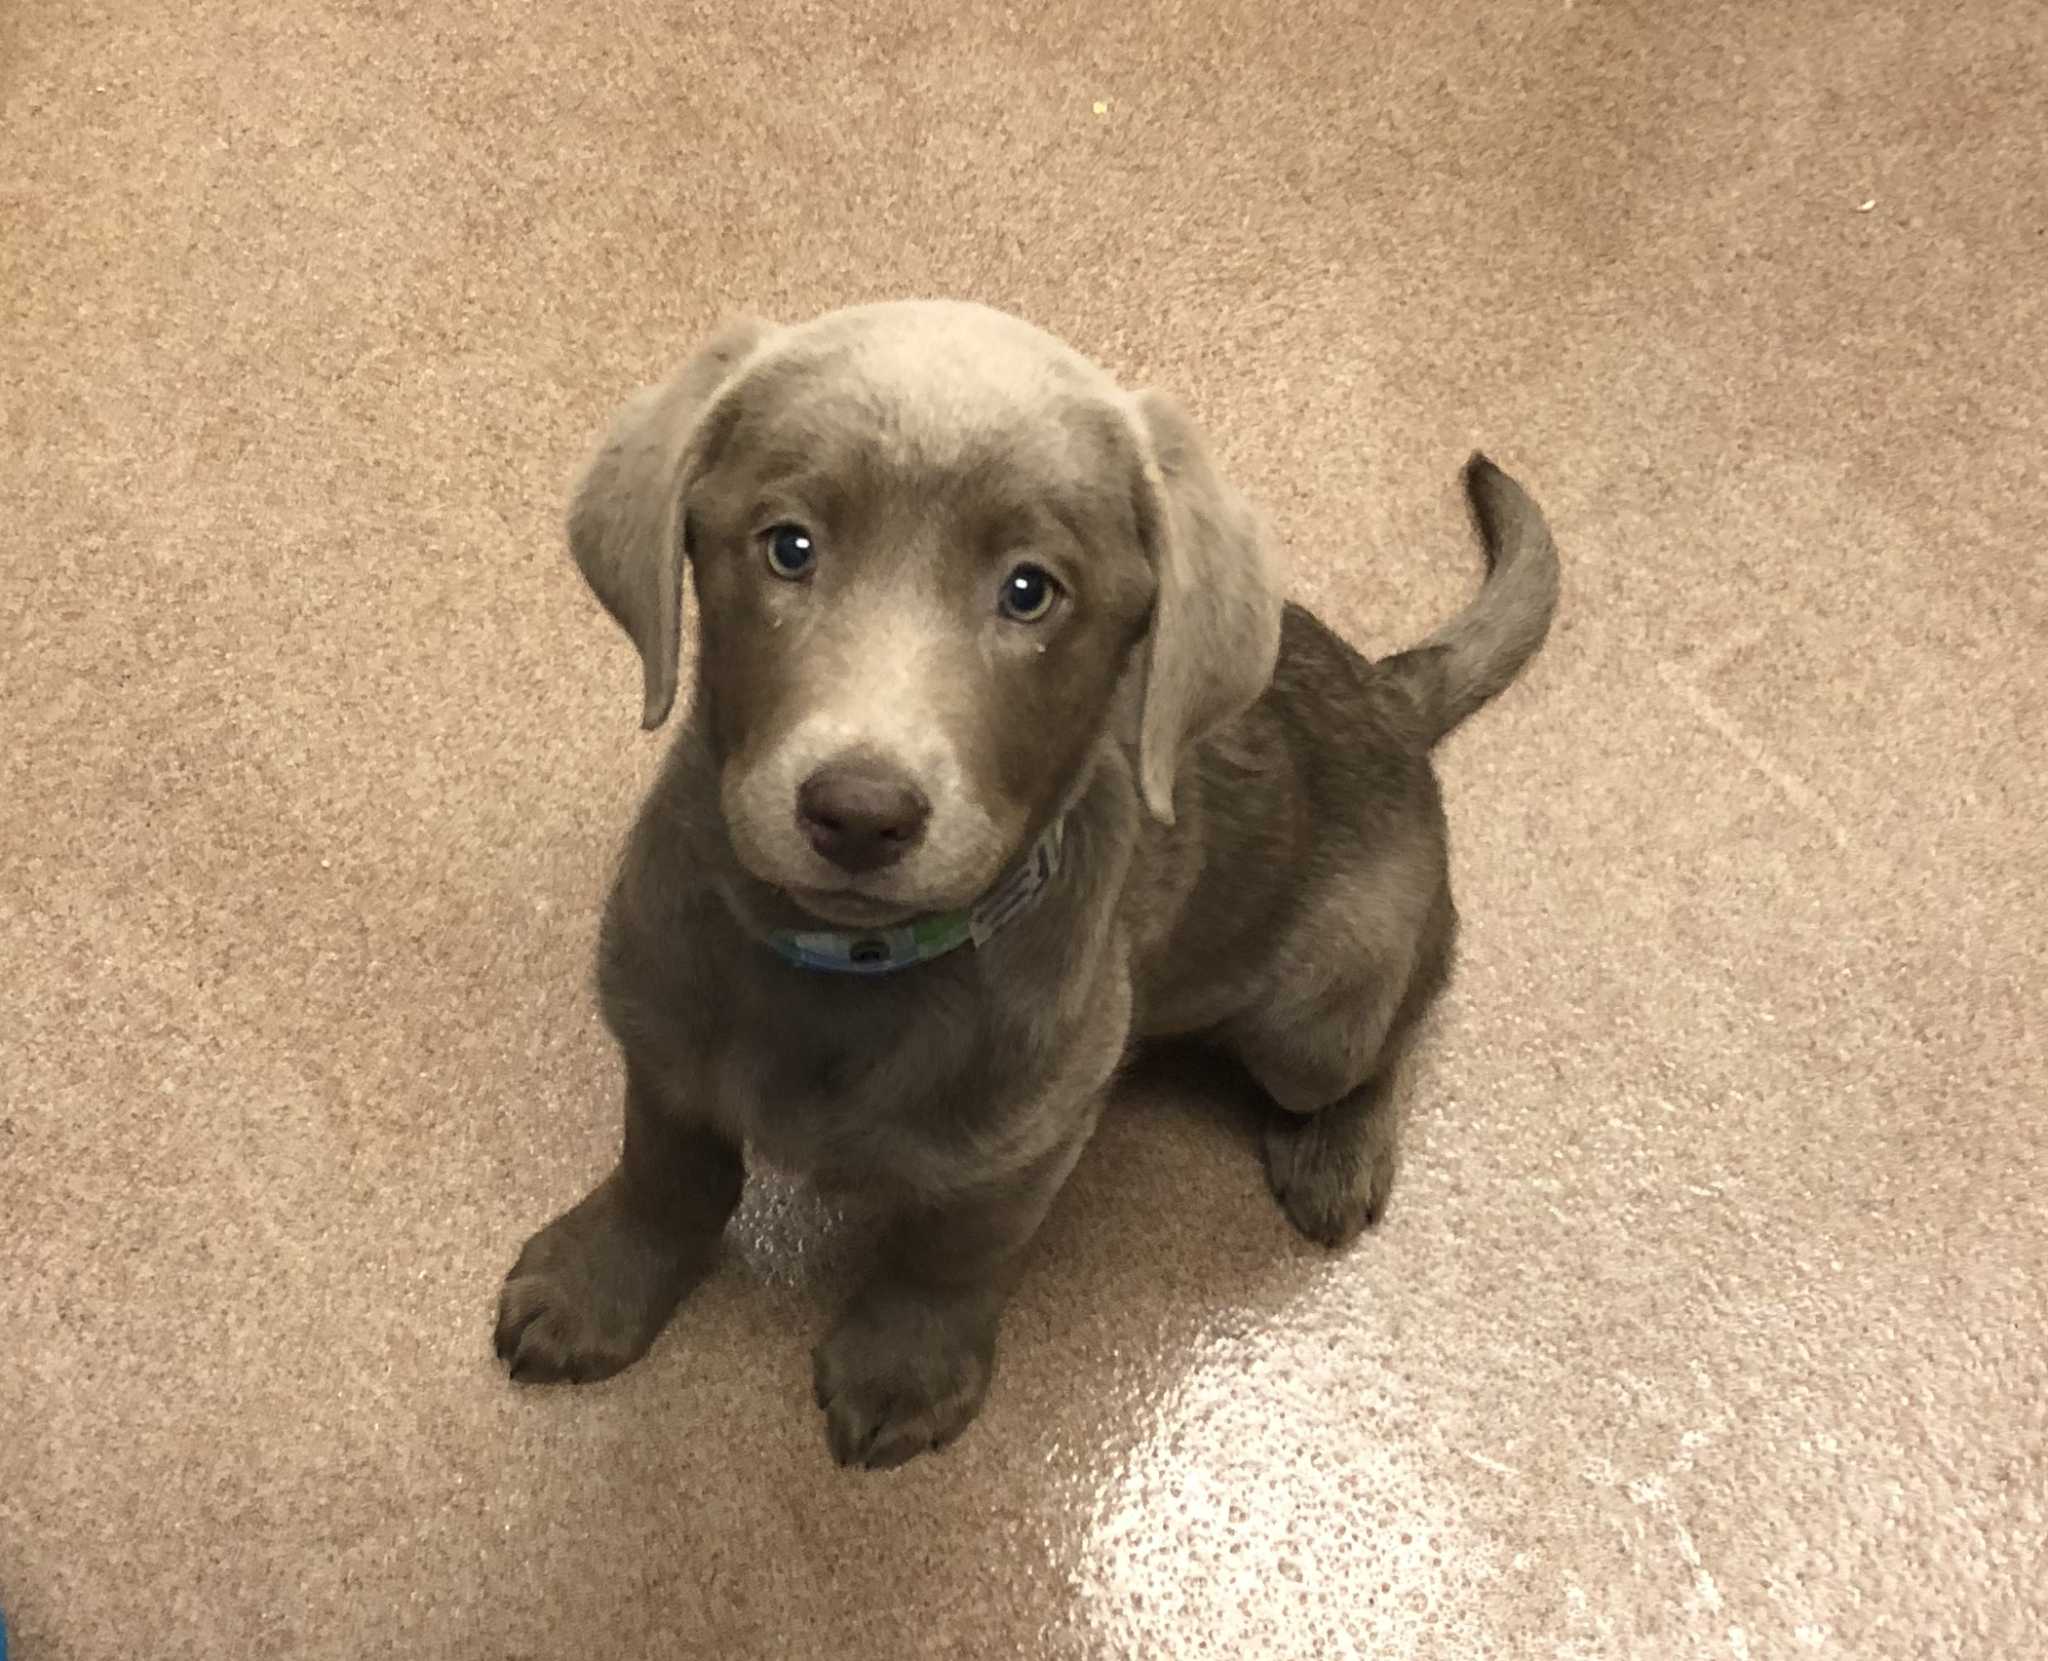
(845, 1078)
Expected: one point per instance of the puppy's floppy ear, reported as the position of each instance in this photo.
(1215, 631)
(626, 522)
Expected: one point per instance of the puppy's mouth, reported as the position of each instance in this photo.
(849, 908)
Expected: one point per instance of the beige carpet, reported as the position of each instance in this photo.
(1708, 1321)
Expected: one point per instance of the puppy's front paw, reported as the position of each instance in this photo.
(904, 1372)
(1331, 1171)
(589, 1293)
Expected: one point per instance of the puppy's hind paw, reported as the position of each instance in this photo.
(1331, 1172)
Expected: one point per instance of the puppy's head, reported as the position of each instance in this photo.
(937, 557)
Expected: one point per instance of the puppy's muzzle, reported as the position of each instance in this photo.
(860, 814)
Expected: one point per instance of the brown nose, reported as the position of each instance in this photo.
(861, 815)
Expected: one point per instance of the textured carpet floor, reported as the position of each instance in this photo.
(1708, 1320)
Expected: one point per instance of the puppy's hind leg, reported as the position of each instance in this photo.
(1330, 1126)
(1331, 1134)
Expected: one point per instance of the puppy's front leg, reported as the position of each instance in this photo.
(595, 1287)
(906, 1368)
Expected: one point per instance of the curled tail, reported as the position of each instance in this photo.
(1479, 651)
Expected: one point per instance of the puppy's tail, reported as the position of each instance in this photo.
(1479, 651)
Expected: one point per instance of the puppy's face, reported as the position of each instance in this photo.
(920, 578)
(933, 550)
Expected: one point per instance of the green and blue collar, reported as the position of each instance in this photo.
(883, 951)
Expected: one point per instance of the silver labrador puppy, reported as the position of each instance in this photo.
(1005, 753)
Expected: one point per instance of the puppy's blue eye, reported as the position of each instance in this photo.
(1029, 594)
(791, 552)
